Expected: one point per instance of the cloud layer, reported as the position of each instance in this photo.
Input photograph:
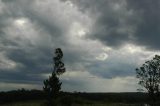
(124, 21)
(103, 42)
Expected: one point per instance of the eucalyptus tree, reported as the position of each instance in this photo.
(52, 85)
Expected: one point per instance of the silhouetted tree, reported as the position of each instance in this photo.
(52, 85)
(149, 76)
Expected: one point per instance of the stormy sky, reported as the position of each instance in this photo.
(103, 41)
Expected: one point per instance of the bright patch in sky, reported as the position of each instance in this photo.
(20, 22)
(133, 49)
(97, 84)
(81, 33)
(78, 30)
(69, 3)
(106, 49)
(102, 56)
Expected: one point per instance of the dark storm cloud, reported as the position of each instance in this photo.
(30, 69)
(124, 21)
(33, 59)
(20, 77)
(148, 30)
(114, 23)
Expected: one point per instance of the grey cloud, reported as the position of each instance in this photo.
(114, 67)
(124, 21)
(112, 26)
(108, 70)
(148, 29)
(34, 59)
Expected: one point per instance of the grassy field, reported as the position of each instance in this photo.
(27, 103)
(41, 103)
(37, 104)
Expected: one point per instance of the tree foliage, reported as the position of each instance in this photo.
(149, 76)
(58, 64)
(52, 86)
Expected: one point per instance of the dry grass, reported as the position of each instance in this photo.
(40, 103)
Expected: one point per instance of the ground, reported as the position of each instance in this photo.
(41, 103)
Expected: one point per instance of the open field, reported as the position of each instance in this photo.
(41, 103)
(27, 103)
(38, 98)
